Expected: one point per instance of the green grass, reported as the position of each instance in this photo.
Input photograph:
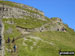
(49, 45)
(53, 40)
(62, 40)
(19, 22)
(27, 23)
(14, 31)
(14, 34)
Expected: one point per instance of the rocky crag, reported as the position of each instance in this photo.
(18, 11)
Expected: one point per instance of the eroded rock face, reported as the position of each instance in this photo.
(13, 12)
(46, 27)
(7, 11)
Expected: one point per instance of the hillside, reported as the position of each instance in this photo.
(34, 33)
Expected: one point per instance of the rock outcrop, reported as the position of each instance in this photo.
(18, 11)
(54, 25)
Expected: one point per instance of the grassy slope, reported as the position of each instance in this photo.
(27, 23)
(52, 42)
(47, 43)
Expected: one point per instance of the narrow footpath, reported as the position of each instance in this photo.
(2, 37)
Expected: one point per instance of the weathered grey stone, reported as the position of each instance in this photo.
(13, 12)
